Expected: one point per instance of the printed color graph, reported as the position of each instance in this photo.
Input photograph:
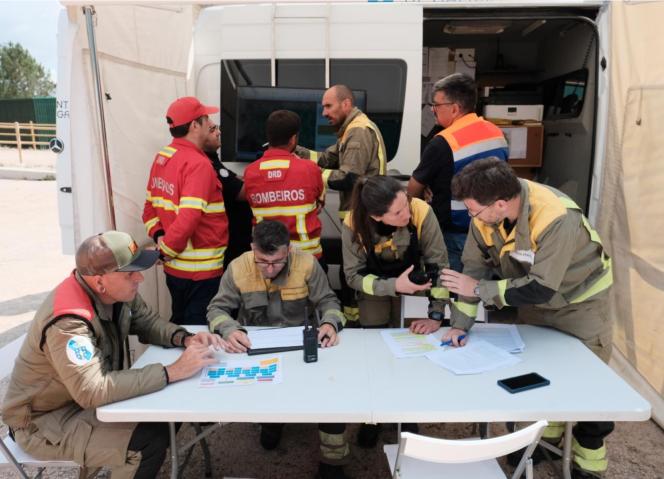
(238, 372)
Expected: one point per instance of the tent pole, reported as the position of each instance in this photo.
(89, 12)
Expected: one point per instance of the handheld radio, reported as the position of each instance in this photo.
(309, 339)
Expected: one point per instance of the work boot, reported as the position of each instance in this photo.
(581, 474)
(328, 471)
(367, 436)
(270, 435)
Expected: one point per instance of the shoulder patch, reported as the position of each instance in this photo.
(80, 350)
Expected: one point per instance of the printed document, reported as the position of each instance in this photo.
(475, 357)
(503, 336)
(405, 344)
(275, 337)
(242, 372)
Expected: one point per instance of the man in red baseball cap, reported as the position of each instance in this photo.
(184, 212)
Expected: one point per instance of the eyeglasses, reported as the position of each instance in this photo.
(213, 128)
(479, 212)
(274, 264)
(436, 105)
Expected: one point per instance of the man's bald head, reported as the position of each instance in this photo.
(337, 104)
(342, 92)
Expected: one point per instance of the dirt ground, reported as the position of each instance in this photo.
(31, 264)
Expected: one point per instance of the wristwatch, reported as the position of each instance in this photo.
(179, 337)
(476, 290)
(436, 315)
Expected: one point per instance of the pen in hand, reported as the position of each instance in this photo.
(449, 341)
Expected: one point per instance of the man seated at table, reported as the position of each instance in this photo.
(531, 247)
(74, 358)
(270, 286)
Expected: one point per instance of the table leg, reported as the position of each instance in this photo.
(174, 450)
(567, 451)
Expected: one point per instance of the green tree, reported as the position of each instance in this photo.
(21, 76)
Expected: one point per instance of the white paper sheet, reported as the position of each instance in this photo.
(242, 372)
(474, 358)
(503, 336)
(405, 344)
(516, 141)
(276, 337)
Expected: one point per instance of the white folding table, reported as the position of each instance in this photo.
(360, 381)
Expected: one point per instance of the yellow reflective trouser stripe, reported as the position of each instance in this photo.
(469, 309)
(554, 430)
(218, 320)
(333, 447)
(273, 164)
(367, 283)
(593, 460)
(440, 293)
(194, 266)
(604, 282)
(326, 175)
(150, 223)
(502, 287)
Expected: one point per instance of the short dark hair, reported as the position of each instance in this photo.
(459, 88)
(281, 125)
(268, 236)
(181, 131)
(486, 181)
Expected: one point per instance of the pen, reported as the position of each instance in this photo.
(449, 341)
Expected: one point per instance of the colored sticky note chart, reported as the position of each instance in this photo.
(237, 372)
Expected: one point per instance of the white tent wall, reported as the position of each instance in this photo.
(144, 54)
(631, 214)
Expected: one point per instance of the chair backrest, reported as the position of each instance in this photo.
(8, 354)
(459, 450)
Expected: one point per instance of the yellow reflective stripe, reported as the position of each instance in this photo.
(150, 223)
(337, 313)
(313, 156)
(194, 266)
(593, 460)
(311, 250)
(218, 320)
(309, 243)
(604, 282)
(343, 214)
(367, 283)
(273, 164)
(167, 151)
(215, 208)
(502, 287)
(382, 163)
(285, 210)
(192, 202)
(351, 313)
(469, 309)
(163, 203)
(326, 175)
(440, 293)
(202, 253)
(167, 250)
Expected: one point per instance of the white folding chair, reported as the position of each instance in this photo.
(15, 457)
(422, 457)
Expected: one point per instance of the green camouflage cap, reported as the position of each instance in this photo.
(112, 251)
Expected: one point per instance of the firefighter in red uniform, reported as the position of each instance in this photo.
(284, 187)
(184, 212)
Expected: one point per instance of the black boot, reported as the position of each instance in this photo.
(328, 471)
(367, 436)
(270, 435)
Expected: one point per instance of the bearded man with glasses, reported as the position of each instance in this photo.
(272, 285)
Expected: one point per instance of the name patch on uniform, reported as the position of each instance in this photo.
(524, 256)
(80, 350)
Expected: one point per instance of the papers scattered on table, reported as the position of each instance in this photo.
(240, 372)
(475, 357)
(405, 344)
(275, 337)
(503, 336)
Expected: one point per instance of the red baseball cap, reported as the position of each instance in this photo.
(186, 109)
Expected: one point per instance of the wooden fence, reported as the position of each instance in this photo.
(26, 135)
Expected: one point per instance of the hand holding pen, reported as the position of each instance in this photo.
(454, 337)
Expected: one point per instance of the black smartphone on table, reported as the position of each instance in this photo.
(525, 382)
